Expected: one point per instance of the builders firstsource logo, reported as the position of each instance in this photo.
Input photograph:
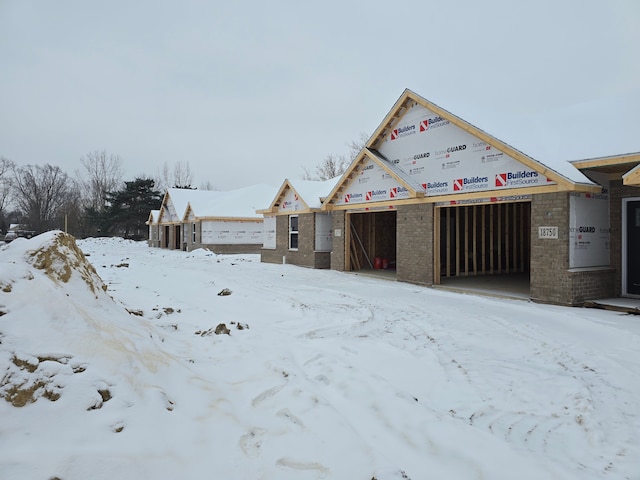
(374, 195)
(431, 123)
(398, 192)
(352, 197)
(403, 132)
(433, 188)
(470, 183)
(514, 179)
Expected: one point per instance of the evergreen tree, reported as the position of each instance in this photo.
(128, 209)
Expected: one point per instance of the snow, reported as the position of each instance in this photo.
(239, 203)
(324, 374)
(312, 192)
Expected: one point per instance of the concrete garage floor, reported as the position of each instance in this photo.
(514, 285)
(507, 286)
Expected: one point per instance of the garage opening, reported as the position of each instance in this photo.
(487, 245)
(165, 240)
(372, 241)
(176, 238)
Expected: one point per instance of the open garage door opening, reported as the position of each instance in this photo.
(372, 242)
(484, 247)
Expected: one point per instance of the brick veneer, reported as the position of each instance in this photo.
(414, 234)
(305, 255)
(338, 242)
(551, 279)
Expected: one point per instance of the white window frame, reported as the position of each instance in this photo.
(295, 232)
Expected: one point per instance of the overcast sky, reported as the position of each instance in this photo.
(254, 91)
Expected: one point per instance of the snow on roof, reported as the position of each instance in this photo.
(604, 127)
(180, 197)
(313, 191)
(240, 203)
(154, 216)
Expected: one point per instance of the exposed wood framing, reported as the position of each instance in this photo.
(632, 177)
(482, 239)
(630, 159)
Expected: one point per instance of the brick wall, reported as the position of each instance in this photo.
(550, 257)
(338, 242)
(305, 255)
(551, 279)
(414, 234)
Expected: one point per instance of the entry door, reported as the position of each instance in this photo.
(633, 247)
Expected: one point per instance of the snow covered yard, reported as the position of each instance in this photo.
(322, 375)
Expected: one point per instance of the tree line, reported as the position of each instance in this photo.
(94, 201)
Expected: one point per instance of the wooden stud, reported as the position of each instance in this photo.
(457, 212)
(437, 268)
(515, 237)
(484, 239)
(447, 210)
(466, 241)
(491, 222)
(506, 237)
(475, 240)
(499, 237)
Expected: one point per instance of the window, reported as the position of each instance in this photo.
(194, 233)
(293, 232)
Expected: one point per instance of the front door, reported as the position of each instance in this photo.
(632, 240)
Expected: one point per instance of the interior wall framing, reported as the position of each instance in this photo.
(370, 235)
(483, 239)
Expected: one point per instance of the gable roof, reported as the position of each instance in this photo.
(366, 155)
(176, 200)
(236, 204)
(558, 170)
(154, 216)
(309, 193)
(537, 149)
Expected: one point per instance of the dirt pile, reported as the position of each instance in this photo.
(61, 258)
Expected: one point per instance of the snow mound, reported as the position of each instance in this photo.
(60, 332)
(59, 257)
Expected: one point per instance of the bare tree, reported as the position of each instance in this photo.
(331, 167)
(40, 192)
(356, 145)
(6, 167)
(181, 177)
(101, 173)
(207, 186)
(335, 165)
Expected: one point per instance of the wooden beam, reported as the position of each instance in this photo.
(484, 241)
(466, 241)
(437, 268)
(448, 241)
(475, 240)
(457, 211)
(507, 232)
